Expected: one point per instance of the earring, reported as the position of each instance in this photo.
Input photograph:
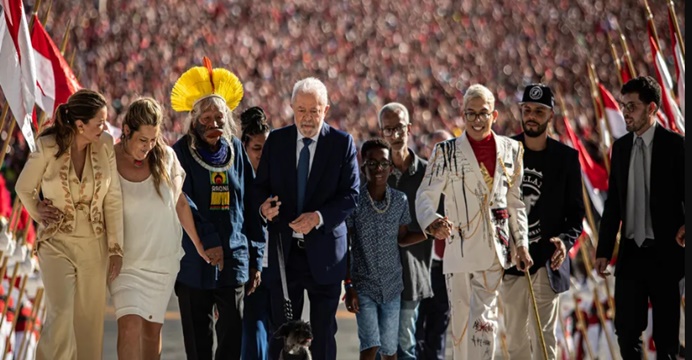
(81, 131)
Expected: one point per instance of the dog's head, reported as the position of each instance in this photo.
(297, 334)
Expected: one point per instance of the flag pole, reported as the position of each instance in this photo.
(616, 57)
(581, 322)
(600, 112)
(674, 19)
(650, 22)
(17, 309)
(65, 37)
(37, 6)
(29, 329)
(601, 103)
(45, 17)
(628, 56)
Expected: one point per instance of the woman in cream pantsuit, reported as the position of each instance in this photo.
(80, 220)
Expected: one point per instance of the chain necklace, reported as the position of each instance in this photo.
(387, 197)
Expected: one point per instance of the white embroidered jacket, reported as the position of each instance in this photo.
(487, 223)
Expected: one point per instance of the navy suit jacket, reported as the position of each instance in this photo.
(332, 189)
(562, 211)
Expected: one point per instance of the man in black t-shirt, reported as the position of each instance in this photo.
(552, 192)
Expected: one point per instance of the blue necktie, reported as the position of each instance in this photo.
(303, 170)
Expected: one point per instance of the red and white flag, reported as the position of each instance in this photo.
(18, 71)
(676, 122)
(612, 113)
(679, 61)
(56, 81)
(595, 176)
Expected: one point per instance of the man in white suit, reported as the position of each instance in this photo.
(480, 174)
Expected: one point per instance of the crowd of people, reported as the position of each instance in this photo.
(426, 55)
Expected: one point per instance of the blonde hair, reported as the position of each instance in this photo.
(147, 112)
(478, 91)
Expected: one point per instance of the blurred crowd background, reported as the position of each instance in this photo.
(422, 53)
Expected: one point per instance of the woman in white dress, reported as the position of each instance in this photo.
(154, 209)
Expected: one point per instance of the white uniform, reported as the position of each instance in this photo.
(490, 222)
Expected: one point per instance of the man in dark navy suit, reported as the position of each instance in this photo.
(646, 203)
(307, 184)
(552, 191)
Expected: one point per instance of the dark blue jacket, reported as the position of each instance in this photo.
(332, 189)
(238, 229)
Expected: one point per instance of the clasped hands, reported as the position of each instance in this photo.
(442, 229)
(302, 225)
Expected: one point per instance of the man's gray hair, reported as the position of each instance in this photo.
(392, 107)
(311, 85)
(478, 91)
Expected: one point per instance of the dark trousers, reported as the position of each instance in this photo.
(324, 301)
(433, 318)
(256, 324)
(632, 294)
(196, 316)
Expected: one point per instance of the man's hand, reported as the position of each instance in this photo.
(440, 228)
(254, 282)
(680, 236)
(524, 260)
(269, 210)
(601, 267)
(305, 222)
(215, 256)
(115, 263)
(352, 304)
(559, 255)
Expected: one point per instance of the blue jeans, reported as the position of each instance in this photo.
(378, 324)
(255, 325)
(408, 316)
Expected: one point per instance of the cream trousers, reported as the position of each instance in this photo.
(74, 276)
(520, 319)
(474, 312)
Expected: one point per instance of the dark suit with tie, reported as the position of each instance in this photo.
(651, 272)
(320, 265)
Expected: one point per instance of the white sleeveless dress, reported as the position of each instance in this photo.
(152, 246)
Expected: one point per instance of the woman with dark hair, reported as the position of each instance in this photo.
(80, 219)
(253, 123)
(153, 233)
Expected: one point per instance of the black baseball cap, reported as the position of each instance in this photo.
(538, 93)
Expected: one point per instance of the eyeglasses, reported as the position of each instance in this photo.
(399, 130)
(472, 116)
(372, 164)
(628, 107)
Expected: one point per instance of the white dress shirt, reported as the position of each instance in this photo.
(648, 138)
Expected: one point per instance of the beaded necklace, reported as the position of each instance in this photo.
(387, 197)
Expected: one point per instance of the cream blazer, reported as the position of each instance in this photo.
(52, 175)
(488, 222)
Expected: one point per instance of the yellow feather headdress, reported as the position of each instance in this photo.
(201, 82)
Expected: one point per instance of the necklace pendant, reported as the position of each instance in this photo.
(139, 163)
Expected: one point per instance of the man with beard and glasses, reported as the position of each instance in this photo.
(552, 191)
(218, 184)
(307, 185)
(416, 259)
(646, 203)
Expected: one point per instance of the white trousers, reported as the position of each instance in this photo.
(474, 312)
(520, 318)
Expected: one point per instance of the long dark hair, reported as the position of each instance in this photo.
(146, 111)
(82, 105)
(253, 121)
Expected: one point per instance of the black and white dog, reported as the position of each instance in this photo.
(297, 335)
